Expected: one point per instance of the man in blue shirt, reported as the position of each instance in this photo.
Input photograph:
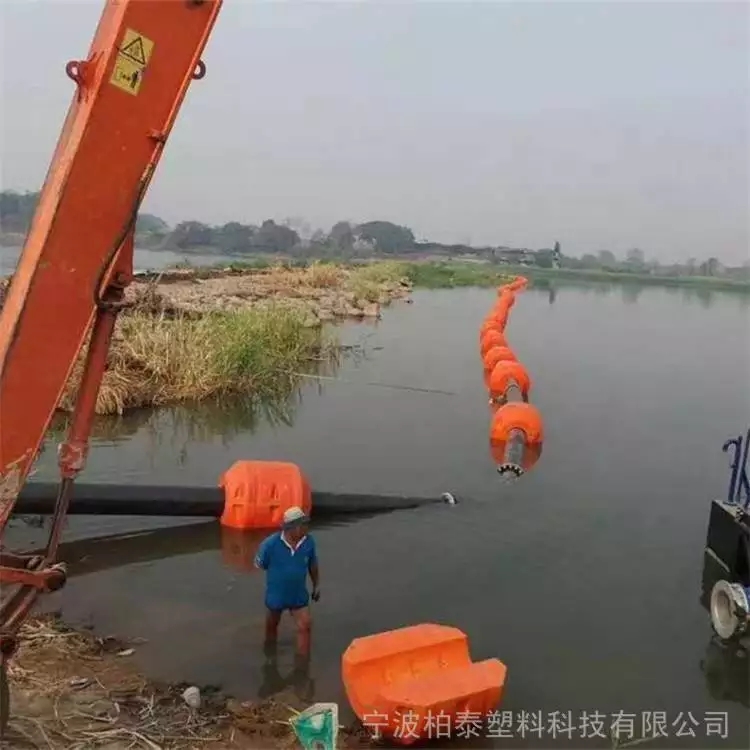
(288, 556)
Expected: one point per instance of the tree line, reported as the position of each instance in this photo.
(347, 241)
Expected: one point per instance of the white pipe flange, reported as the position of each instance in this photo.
(730, 609)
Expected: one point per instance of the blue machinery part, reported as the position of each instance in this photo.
(739, 484)
(726, 566)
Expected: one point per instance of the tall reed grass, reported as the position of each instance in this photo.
(161, 359)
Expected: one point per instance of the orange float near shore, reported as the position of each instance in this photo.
(402, 684)
(258, 492)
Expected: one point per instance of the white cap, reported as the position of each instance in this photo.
(294, 516)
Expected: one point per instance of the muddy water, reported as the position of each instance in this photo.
(583, 577)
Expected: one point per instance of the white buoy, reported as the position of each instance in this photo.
(730, 609)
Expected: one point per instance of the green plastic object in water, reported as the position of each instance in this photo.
(317, 727)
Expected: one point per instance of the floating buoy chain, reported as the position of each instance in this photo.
(516, 431)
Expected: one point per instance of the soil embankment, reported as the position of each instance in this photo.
(72, 690)
(196, 334)
(323, 292)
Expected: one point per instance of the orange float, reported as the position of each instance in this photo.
(491, 323)
(256, 494)
(518, 284)
(518, 417)
(501, 315)
(400, 681)
(505, 374)
(497, 354)
(489, 338)
(504, 304)
(498, 319)
(506, 296)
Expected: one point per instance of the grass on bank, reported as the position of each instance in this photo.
(449, 274)
(158, 359)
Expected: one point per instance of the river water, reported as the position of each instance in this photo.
(144, 260)
(583, 576)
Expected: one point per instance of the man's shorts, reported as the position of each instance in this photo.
(277, 610)
(279, 604)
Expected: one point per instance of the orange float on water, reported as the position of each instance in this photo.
(518, 284)
(491, 323)
(400, 681)
(256, 494)
(497, 354)
(506, 296)
(489, 338)
(517, 417)
(498, 318)
(506, 374)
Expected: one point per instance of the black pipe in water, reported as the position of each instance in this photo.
(157, 500)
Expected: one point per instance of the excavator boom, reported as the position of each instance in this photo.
(129, 90)
(77, 259)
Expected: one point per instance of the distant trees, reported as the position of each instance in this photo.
(710, 267)
(387, 237)
(342, 238)
(347, 240)
(545, 258)
(150, 224)
(17, 211)
(635, 259)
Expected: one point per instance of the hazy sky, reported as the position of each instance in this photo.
(598, 124)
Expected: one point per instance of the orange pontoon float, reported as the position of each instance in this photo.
(497, 354)
(258, 493)
(489, 338)
(399, 681)
(506, 375)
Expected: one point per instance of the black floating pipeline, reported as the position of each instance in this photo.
(251, 495)
(517, 430)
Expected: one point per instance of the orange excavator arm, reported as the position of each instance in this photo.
(78, 256)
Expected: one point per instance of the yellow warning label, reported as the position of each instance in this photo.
(127, 75)
(132, 59)
(136, 47)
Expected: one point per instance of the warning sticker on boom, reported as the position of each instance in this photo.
(132, 58)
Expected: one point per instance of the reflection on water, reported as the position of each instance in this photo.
(174, 429)
(727, 671)
(297, 677)
(631, 292)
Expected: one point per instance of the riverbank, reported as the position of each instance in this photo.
(189, 335)
(452, 274)
(72, 690)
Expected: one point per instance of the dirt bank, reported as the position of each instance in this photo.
(324, 291)
(72, 690)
